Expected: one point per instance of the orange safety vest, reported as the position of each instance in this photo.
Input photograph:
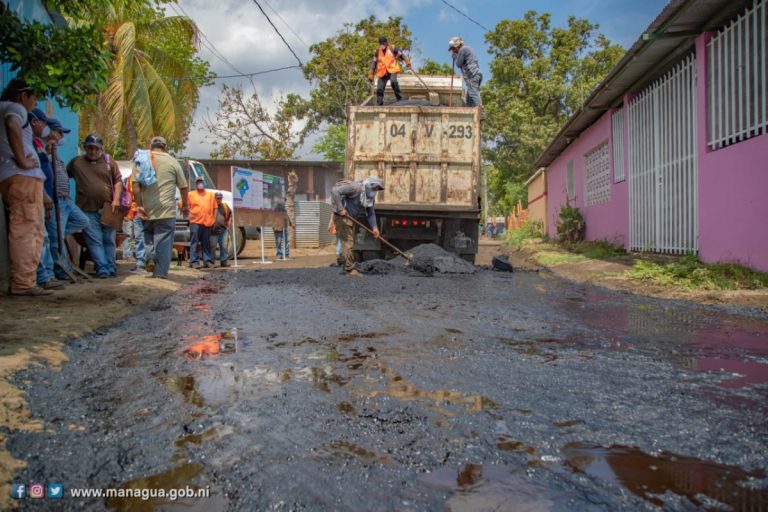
(386, 63)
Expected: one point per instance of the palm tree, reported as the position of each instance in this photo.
(149, 92)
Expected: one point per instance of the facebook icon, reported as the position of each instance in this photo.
(18, 491)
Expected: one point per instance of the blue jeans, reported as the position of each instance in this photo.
(279, 235)
(100, 240)
(135, 230)
(72, 220)
(473, 90)
(221, 241)
(158, 244)
(45, 266)
(201, 235)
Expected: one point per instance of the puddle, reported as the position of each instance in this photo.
(484, 487)
(323, 378)
(346, 408)
(201, 347)
(344, 449)
(197, 439)
(184, 384)
(400, 389)
(741, 373)
(568, 423)
(651, 477)
(454, 331)
(144, 494)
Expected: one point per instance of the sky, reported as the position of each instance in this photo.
(240, 33)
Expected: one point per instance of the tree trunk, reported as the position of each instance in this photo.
(293, 181)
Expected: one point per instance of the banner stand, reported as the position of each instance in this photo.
(234, 221)
(261, 237)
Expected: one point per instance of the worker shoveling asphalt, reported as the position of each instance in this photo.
(425, 259)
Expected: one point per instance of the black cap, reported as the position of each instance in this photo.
(93, 140)
(383, 39)
(55, 124)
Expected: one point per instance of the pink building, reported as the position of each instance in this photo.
(670, 152)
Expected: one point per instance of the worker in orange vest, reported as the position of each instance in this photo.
(386, 68)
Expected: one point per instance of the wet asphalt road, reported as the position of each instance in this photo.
(490, 391)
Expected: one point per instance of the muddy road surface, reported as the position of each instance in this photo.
(302, 389)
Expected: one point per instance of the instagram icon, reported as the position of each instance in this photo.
(36, 491)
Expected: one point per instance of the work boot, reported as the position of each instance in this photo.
(51, 285)
(224, 264)
(150, 266)
(32, 292)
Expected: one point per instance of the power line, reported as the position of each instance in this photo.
(278, 32)
(218, 77)
(466, 16)
(286, 24)
(205, 42)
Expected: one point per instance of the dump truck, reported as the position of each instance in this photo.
(426, 151)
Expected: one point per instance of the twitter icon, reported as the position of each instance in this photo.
(55, 491)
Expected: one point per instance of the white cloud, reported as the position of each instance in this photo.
(239, 31)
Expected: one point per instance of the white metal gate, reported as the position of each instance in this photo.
(663, 168)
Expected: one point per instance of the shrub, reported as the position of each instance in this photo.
(691, 273)
(571, 227)
(528, 229)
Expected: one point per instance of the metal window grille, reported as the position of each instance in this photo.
(617, 143)
(597, 176)
(663, 196)
(570, 184)
(737, 81)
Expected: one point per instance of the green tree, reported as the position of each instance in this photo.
(339, 67)
(242, 127)
(431, 67)
(332, 144)
(154, 77)
(540, 75)
(70, 63)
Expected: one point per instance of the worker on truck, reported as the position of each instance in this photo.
(465, 59)
(386, 68)
(353, 199)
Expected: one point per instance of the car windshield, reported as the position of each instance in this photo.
(198, 171)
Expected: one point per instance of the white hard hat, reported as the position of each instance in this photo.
(455, 42)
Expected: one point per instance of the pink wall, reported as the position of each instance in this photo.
(733, 204)
(733, 189)
(607, 221)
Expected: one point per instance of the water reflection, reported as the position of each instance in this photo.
(651, 477)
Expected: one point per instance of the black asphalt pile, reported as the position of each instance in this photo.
(433, 259)
(427, 259)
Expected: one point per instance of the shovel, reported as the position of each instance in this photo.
(407, 256)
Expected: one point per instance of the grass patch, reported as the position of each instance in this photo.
(552, 258)
(691, 273)
(599, 250)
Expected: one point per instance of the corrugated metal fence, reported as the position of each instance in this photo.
(737, 79)
(312, 219)
(663, 197)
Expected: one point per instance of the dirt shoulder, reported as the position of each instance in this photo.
(610, 274)
(35, 330)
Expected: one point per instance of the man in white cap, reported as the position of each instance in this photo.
(354, 199)
(465, 59)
